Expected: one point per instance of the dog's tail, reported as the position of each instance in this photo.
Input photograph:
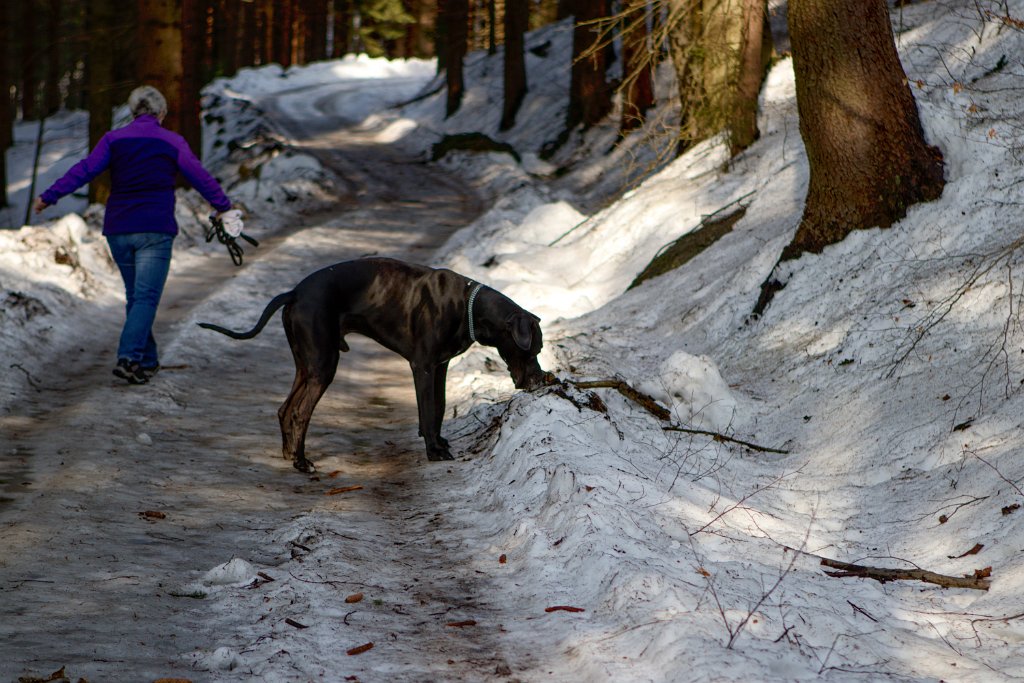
(275, 303)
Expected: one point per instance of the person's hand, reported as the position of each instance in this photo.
(232, 222)
(39, 205)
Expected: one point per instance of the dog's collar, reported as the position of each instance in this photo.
(469, 310)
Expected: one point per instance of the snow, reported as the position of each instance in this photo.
(885, 378)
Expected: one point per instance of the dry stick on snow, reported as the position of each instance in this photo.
(883, 575)
(649, 404)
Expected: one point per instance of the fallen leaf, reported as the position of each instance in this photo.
(1010, 508)
(564, 608)
(973, 551)
(292, 622)
(153, 514)
(172, 680)
(264, 576)
(983, 573)
(332, 475)
(943, 519)
(703, 572)
(343, 489)
(502, 559)
(460, 624)
(359, 650)
(355, 597)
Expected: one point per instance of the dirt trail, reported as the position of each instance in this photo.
(90, 581)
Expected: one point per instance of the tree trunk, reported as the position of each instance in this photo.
(517, 18)
(453, 15)
(283, 32)
(590, 97)
(247, 43)
(99, 84)
(6, 112)
(29, 62)
(755, 55)
(193, 28)
(683, 25)
(53, 60)
(868, 157)
(637, 63)
(316, 30)
(160, 54)
(342, 28)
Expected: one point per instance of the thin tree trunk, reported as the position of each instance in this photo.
(53, 60)
(99, 84)
(517, 19)
(866, 149)
(342, 28)
(637, 63)
(6, 112)
(454, 16)
(283, 32)
(590, 97)
(29, 62)
(755, 54)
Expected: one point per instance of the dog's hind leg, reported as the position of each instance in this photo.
(315, 367)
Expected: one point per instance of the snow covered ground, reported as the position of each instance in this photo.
(887, 372)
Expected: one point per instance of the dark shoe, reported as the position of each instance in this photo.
(130, 371)
(150, 370)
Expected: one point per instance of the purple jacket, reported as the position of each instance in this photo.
(144, 159)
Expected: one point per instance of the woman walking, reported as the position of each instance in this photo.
(144, 159)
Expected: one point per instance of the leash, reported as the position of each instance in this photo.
(469, 310)
(217, 230)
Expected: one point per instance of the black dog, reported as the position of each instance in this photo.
(426, 315)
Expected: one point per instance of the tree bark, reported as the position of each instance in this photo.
(99, 84)
(755, 55)
(517, 19)
(590, 97)
(160, 54)
(868, 157)
(454, 16)
(6, 111)
(637, 62)
(342, 28)
(29, 62)
(683, 25)
(193, 28)
(283, 32)
(53, 59)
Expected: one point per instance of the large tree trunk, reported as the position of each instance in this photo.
(590, 96)
(868, 157)
(637, 63)
(517, 18)
(159, 56)
(453, 15)
(100, 84)
(193, 29)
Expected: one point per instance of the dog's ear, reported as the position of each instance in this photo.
(521, 328)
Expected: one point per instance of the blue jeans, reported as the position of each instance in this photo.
(144, 258)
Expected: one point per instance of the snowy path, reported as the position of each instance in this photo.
(135, 492)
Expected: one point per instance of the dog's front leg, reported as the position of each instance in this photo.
(430, 414)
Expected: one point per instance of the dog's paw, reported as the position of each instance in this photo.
(304, 466)
(437, 454)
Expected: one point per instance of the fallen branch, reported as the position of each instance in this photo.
(882, 575)
(649, 404)
(722, 437)
(643, 400)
